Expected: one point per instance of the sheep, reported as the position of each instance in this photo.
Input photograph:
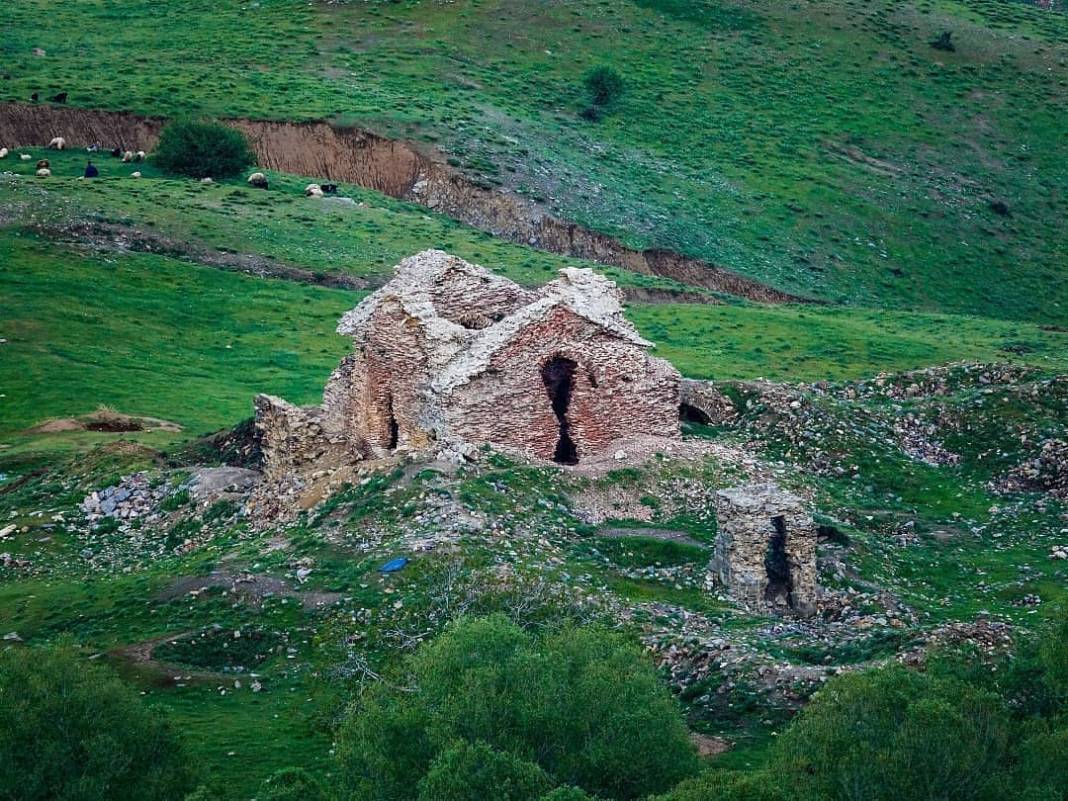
(43, 164)
(25, 156)
(206, 181)
(136, 174)
(3, 152)
(329, 189)
(127, 156)
(313, 190)
(116, 152)
(258, 180)
(139, 155)
(57, 143)
(60, 98)
(44, 172)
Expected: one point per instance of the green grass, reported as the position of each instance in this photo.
(793, 343)
(321, 236)
(822, 146)
(149, 335)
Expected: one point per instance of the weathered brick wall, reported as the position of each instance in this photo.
(475, 301)
(619, 390)
(389, 381)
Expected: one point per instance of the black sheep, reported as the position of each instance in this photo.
(328, 189)
(60, 98)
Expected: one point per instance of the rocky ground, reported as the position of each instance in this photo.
(626, 542)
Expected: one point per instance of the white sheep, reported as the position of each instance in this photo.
(3, 152)
(313, 190)
(57, 143)
(206, 181)
(258, 180)
(44, 172)
(127, 156)
(25, 156)
(135, 174)
(139, 155)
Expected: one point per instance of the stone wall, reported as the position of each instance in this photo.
(765, 551)
(709, 403)
(618, 391)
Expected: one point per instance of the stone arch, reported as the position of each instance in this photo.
(688, 413)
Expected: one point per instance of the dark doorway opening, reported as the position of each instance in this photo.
(559, 378)
(691, 414)
(392, 428)
(776, 563)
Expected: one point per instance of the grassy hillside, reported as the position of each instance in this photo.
(822, 146)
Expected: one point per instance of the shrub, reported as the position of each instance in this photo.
(568, 794)
(896, 735)
(582, 704)
(71, 731)
(727, 785)
(476, 772)
(202, 149)
(604, 86)
(292, 784)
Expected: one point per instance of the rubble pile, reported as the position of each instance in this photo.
(1046, 472)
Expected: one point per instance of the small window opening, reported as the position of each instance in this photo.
(558, 376)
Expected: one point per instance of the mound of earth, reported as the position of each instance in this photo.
(107, 421)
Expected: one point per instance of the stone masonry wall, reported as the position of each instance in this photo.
(619, 391)
(750, 517)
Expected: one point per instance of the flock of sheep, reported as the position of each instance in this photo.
(59, 143)
(257, 179)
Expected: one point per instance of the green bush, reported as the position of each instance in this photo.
(567, 794)
(582, 704)
(467, 772)
(604, 86)
(71, 731)
(897, 735)
(292, 784)
(202, 149)
(726, 785)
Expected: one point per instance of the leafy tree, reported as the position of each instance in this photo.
(292, 784)
(467, 772)
(202, 149)
(568, 794)
(898, 735)
(582, 704)
(726, 785)
(71, 731)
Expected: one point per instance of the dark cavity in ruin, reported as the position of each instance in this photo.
(559, 377)
(691, 414)
(394, 429)
(775, 562)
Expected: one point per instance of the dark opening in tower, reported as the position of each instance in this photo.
(776, 564)
(559, 378)
(392, 428)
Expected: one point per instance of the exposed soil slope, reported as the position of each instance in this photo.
(395, 168)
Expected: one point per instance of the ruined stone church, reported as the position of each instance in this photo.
(447, 352)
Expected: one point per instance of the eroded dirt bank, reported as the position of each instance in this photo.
(352, 155)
